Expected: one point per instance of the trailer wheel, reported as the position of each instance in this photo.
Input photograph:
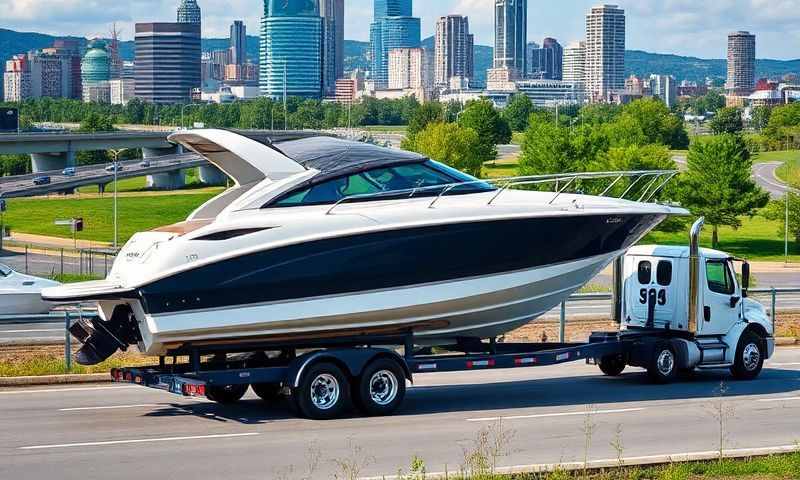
(749, 358)
(663, 367)
(381, 388)
(269, 392)
(226, 394)
(324, 392)
(612, 365)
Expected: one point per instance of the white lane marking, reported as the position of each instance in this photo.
(560, 414)
(59, 390)
(111, 407)
(139, 440)
(789, 364)
(780, 399)
(33, 331)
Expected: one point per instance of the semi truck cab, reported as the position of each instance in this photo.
(700, 313)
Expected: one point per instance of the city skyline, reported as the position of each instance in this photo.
(696, 29)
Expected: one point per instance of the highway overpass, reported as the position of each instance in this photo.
(165, 159)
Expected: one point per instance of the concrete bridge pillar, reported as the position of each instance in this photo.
(51, 162)
(212, 176)
(164, 181)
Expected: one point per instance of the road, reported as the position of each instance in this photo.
(128, 432)
(764, 175)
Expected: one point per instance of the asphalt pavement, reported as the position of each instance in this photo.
(764, 175)
(130, 432)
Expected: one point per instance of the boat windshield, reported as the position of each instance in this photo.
(5, 271)
(425, 177)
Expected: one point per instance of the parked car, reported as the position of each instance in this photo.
(115, 167)
(145, 164)
(42, 180)
(68, 172)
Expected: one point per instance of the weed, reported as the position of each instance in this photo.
(350, 467)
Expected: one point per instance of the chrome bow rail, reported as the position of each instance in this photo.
(650, 183)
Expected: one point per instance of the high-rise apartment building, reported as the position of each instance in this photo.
(741, 64)
(68, 53)
(332, 13)
(189, 12)
(167, 61)
(545, 62)
(510, 35)
(238, 43)
(17, 79)
(392, 27)
(291, 49)
(454, 51)
(574, 62)
(407, 69)
(664, 87)
(605, 51)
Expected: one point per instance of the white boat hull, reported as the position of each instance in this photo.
(23, 304)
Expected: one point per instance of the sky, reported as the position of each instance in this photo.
(684, 27)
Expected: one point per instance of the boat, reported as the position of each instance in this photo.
(323, 238)
(21, 294)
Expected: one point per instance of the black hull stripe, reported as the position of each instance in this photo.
(393, 259)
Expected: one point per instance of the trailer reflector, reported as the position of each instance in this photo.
(562, 357)
(480, 363)
(525, 361)
(426, 366)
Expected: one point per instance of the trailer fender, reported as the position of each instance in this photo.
(688, 353)
(351, 360)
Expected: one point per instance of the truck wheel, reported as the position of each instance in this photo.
(226, 394)
(612, 365)
(324, 392)
(269, 392)
(381, 388)
(749, 358)
(663, 367)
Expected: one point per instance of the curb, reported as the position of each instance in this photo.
(786, 341)
(54, 380)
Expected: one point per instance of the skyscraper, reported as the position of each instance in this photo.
(510, 34)
(291, 49)
(407, 70)
(574, 61)
(189, 12)
(605, 51)
(454, 50)
(741, 63)
(332, 13)
(96, 73)
(238, 41)
(392, 27)
(545, 62)
(167, 61)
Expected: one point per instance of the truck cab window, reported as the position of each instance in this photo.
(719, 277)
(645, 272)
(664, 273)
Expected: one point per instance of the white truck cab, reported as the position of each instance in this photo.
(691, 300)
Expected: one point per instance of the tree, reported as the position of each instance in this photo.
(453, 145)
(547, 149)
(727, 120)
(518, 112)
(708, 103)
(718, 184)
(430, 112)
(776, 211)
(760, 117)
(492, 129)
(96, 122)
(784, 123)
(657, 122)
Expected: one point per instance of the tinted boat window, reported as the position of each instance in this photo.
(645, 272)
(664, 273)
(379, 180)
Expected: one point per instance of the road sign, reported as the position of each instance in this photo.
(9, 119)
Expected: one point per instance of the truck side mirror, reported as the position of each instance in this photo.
(745, 278)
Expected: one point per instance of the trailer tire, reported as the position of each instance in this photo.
(381, 388)
(226, 394)
(612, 365)
(663, 366)
(323, 392)
(750, 355)
(269, 392)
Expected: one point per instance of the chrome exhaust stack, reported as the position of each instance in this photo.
(694, 273)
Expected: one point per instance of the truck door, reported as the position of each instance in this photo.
(653, 282)
(720, 290)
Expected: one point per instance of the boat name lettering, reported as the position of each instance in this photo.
(192, 258)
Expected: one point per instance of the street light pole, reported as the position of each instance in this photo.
(285, 91)
(786, 232)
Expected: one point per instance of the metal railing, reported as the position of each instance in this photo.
(654, 183)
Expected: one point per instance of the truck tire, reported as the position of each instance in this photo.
(750, 354)
(323, 393)
(612, 365)
(663, 366)
(269, 392)
(226, 394)
(381, 388)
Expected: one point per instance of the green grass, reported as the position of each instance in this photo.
(517, 138)
(386, 128)
(136, 214)
(74, 278)
(136, 184)
(758, 239)
(789, 172)
(499, 170)
(779, 156)
(53, 365)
